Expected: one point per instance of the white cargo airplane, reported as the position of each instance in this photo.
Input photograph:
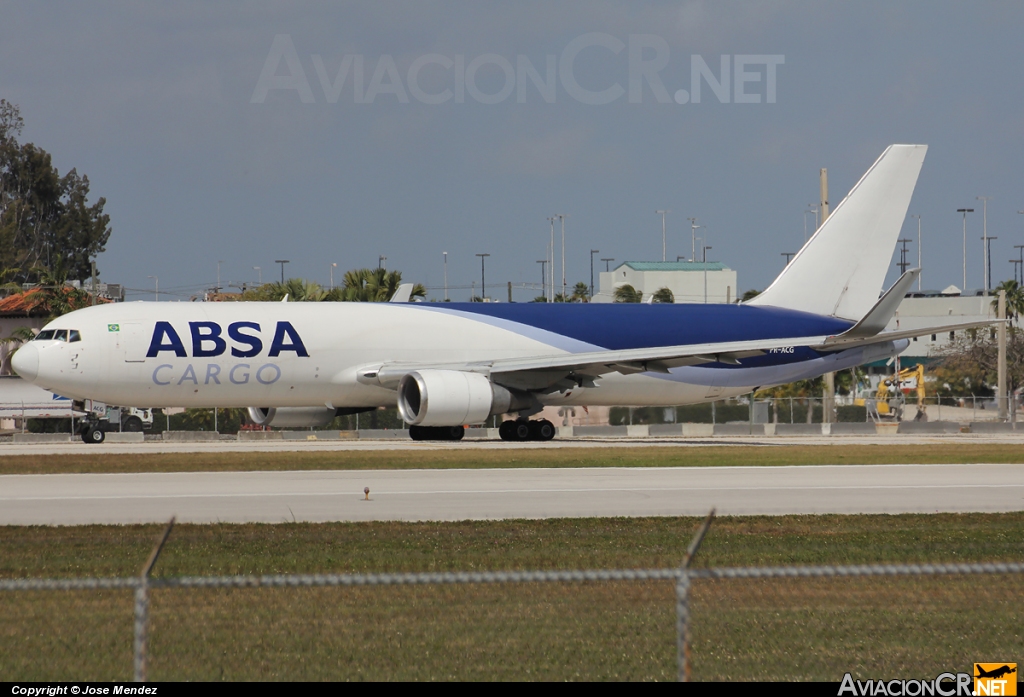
(446, 365)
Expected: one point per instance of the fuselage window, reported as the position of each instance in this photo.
(44, 335)
(75, 336)
(60, 335)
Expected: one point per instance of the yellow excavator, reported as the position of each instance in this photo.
(890, 397)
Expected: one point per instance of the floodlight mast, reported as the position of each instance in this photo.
(663, 242)
(965, 211)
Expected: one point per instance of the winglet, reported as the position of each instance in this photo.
(403, 294)
(879, 315)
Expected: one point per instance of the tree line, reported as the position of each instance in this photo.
(48, 228)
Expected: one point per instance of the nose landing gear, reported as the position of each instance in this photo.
(523, 430)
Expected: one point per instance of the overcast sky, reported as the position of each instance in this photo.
(224, 131)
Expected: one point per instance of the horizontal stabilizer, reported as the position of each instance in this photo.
(842, 341)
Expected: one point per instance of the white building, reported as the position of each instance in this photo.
(932, 308)
(689, 281)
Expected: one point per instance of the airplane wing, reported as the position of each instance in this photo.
(539, 372)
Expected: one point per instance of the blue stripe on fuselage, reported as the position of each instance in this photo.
(616, 326)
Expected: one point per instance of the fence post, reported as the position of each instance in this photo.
(141, 620)
(142, 606)
(683, 624)
(683, 601)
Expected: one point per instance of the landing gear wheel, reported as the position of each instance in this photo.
(437, 432)
(521, 430)
(505, 430)
(93, 435)
(542, 430)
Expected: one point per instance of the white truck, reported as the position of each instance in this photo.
(20, 400)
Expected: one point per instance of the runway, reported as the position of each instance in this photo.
(487, 494)
(152, 447)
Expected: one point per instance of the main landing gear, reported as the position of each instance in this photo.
(522, 430)
(437, 432)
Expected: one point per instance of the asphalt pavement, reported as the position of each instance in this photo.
(489, 494)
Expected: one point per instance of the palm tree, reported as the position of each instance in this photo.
(580, 293)
(297, 290)
(372, 285)
(540, 299)
(1014, 299)
(54, 295)
(628, 294)
(663, 295)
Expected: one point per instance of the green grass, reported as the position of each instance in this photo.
(683, 456)
(742, 629)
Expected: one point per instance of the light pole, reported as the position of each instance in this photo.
(1021, 248)
(788, 255)
(988, 256)
(663, 257)
(282, 262)
(551, 254)
(543, 278)
(903, 263)
(965, 211)
(918, 250)
(483, 283)
(562, 217)
(984, 238)
(606, 261)
(259, 272)
(445, 276)
(156, 280)
(592, 253)
(333, 267)
(693, 239)
(219, 262)
(1016, 265)
(382, 263)
(706, 248)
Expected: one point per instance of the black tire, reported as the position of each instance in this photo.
(505, 430)
(417, 433)
(93, 435)
(132, 424)
(543, 430)
(521, 430)
(456, 432)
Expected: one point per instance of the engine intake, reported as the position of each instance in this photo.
(451, 398)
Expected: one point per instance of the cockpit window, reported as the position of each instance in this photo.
(44, 335)
(75, 336)
(60, 335)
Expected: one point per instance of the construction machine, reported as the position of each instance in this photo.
(891, 397)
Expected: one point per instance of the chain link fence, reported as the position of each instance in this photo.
(756, 623)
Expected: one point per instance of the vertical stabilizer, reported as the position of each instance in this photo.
(841, 269)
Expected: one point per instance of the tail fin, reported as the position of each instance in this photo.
(840, 271)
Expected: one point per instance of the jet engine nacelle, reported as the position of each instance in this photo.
(450, 398)
(291, 417)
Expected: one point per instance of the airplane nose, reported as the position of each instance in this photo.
(26, 361)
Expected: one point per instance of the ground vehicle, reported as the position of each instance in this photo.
(20, 400)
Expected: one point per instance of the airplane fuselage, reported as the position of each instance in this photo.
(231, 354)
